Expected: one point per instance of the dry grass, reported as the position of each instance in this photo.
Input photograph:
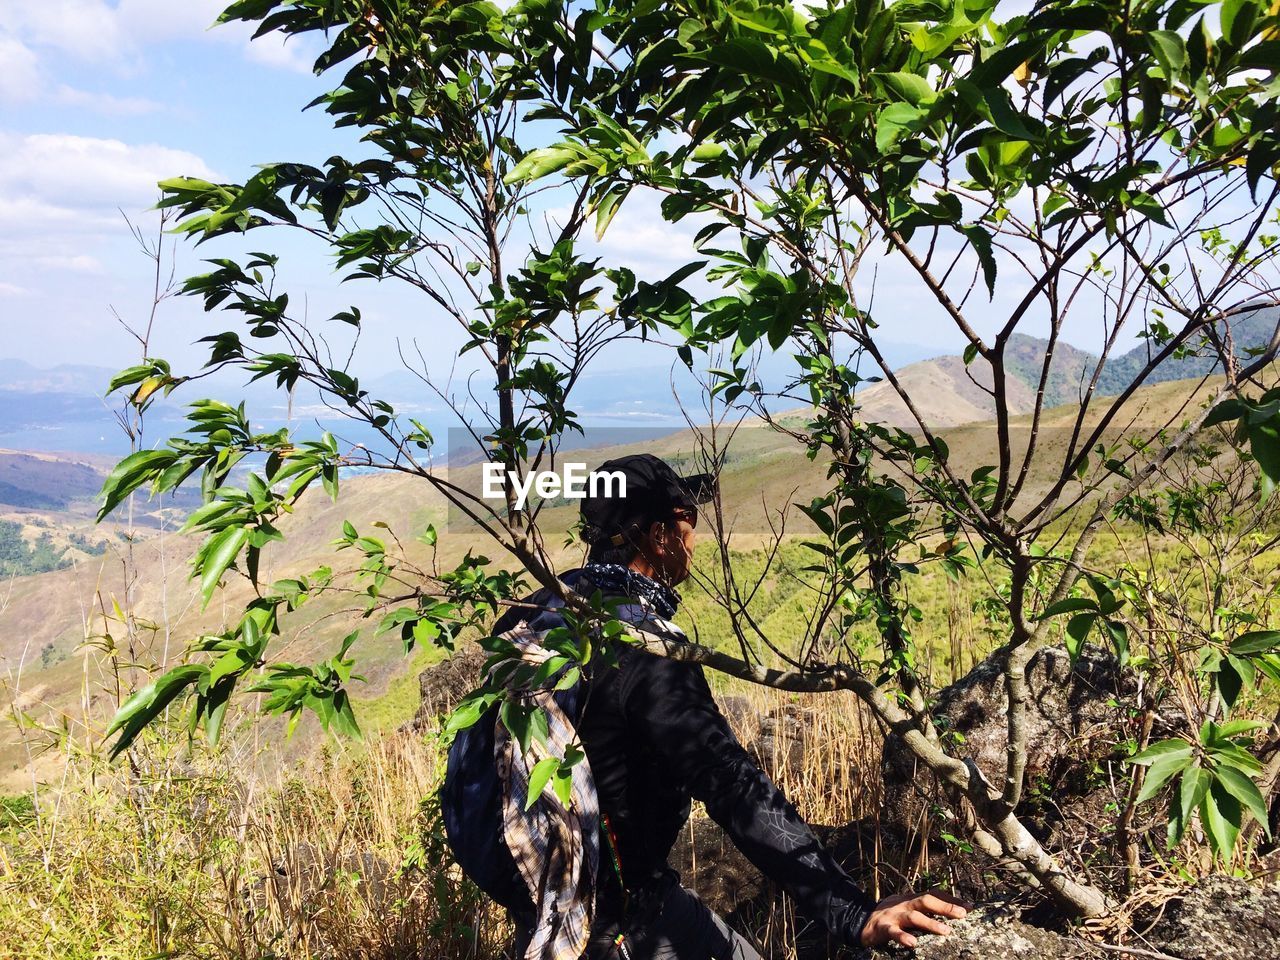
(183, 858)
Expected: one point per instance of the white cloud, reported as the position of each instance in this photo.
(76, 263)
(65, 170)
(85, 29)
(642, 239)
(106, 103)
(34, 37)
(96, 31)
(25, 212)
(12, 290)
(24, 79)
(61, 196)
(148, 21)
(285, 53)
(20, 75)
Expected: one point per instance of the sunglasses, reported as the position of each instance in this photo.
(688, 514)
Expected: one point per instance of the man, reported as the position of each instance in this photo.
(654, 739)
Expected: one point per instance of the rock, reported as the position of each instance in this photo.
(1221, 918)
(1075, 716)
(993, 932)
(1064, 703)
(711, 865)
(784, 736)
(739, 712)
(443, 684)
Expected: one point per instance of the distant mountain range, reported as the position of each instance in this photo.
(62, 409)
(948, 392)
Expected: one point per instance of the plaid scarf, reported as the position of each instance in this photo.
(557, 848)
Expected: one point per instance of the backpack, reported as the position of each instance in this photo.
(471, 795)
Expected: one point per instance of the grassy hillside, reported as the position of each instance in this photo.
(334, 847)
(50, 674)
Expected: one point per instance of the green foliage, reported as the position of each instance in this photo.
(1214, 777)
(16, 810)
(1258, 424)
(20, 557)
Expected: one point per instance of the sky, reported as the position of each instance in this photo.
(100, 99)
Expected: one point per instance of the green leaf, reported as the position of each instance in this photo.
(1165, 748)
(1161, 772)
(1195, 784)
(1221, 815)
(1256, 641)
(1264, 444)
(780, 21)
(1246, 791)
(607, 209)
(1078, 628)
(130, 474)
(911, 87)
(1119, 635)
(539, 163)
(1149, 207)
(149, 702)
(218, 554)
(1069, 605)
(1223, 732)
(896, 121)
(343, 717)
(563, 785)
(980, 240)
(469, 711)
(1170, 49)
(1227, 410)
(538, 777)
(1229, 683)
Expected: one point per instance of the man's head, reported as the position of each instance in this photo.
(651, 528)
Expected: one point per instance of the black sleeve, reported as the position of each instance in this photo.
(671, 705)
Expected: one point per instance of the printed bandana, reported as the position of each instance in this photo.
(617, 580)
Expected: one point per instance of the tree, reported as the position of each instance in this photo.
(1110, 158)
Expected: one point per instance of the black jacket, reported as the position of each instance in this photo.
(655, 739)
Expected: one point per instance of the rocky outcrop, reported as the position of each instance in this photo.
(995, 933)
(442, 685)
(1075, 716)
(1069, 706)
(1219, 918)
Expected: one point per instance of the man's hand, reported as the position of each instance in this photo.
(894, 918)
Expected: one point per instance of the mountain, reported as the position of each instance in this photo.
(948, 392)
(1247, 332)
(41, 481)
(63, 408)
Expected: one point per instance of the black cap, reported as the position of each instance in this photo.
(654, 492)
